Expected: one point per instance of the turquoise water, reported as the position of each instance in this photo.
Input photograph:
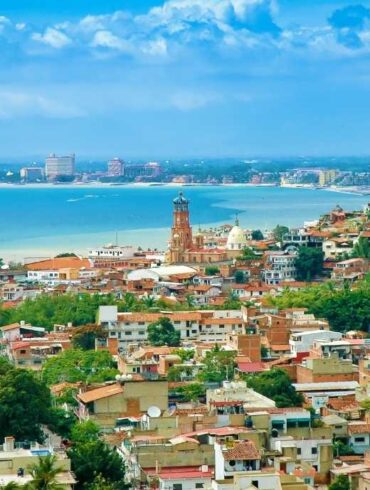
(36, 221)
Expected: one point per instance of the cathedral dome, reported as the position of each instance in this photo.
(236, 239)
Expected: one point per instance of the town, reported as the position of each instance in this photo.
(311, 173)
(236, 358)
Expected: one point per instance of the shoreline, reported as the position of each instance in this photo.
(353, 190)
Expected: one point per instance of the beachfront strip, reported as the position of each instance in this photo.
(202, 351)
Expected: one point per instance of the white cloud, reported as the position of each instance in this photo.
(106, 39)
(17, 103)
(52, 37)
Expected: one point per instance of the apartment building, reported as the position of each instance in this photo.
(204, 325)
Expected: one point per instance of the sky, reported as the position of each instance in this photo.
(184, 78)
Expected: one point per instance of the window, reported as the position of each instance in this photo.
(177, 486)
(299, 451)
(22, 351)
(359, 439)
(255, 483)
(141, 323)
(199, 485)
(314, 450)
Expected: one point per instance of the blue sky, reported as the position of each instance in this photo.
(181, 78)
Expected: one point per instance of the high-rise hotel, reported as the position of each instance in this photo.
(56, 167)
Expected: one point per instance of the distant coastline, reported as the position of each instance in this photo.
(357, 190)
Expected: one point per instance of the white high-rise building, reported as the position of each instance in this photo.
(115, 167)
(63, 166)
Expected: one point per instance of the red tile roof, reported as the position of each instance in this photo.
(251, 367)
(243, 450)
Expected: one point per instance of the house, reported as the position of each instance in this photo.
(128, 397)
(328, 369)
(16, 458)
(235, 456)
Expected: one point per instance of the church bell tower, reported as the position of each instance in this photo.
(181, 234)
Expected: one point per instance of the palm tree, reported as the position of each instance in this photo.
(44, 473)
(12, 485)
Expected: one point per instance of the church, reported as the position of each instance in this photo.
(184, 248)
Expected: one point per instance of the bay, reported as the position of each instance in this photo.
(38, 221)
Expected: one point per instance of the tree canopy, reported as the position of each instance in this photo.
(162, 332)
(75, 365)
(219, 366)
(345, 308)
(46, 311)
(25, 405)
(361, 248)
(84, 337)
(45, 473)
(309, 263)
(275, 384)
(257, 235)
(340, 483)
(94, 458)
(279, 231)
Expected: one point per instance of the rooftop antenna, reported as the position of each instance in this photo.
(116, 238)
(236, 219)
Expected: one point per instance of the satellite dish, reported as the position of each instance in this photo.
(154, 412)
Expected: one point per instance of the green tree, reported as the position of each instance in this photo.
(65, 254)
(340, 483)
(192, 392)
(240, 277)
(61, 421)
(219, 366)
(362, 248)
(45, 473)
(84, 432)
(94, 459)
(309, 263)
(248, 254)
(162, 332)
(257, 235)
(75, 365)
(11, 486)
(212, 270)
(341, 449)
(46, 311)
(279, 231)
(84, 337)
(185, 354)
(25, 404)
(276, 384)
(345, 308)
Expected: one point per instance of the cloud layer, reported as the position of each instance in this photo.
(166, 32)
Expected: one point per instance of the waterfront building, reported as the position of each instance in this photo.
(32, 174)
(111, 252)
(59, 166)
(116, 167)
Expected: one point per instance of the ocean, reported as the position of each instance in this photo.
(39, 221)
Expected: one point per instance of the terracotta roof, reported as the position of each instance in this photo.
(19, 345)
(98, 393)
(241, 451)
(180, 472)
(280, 347)
(59, 263)
(359, 428)
(251, 367)
(12, 326)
